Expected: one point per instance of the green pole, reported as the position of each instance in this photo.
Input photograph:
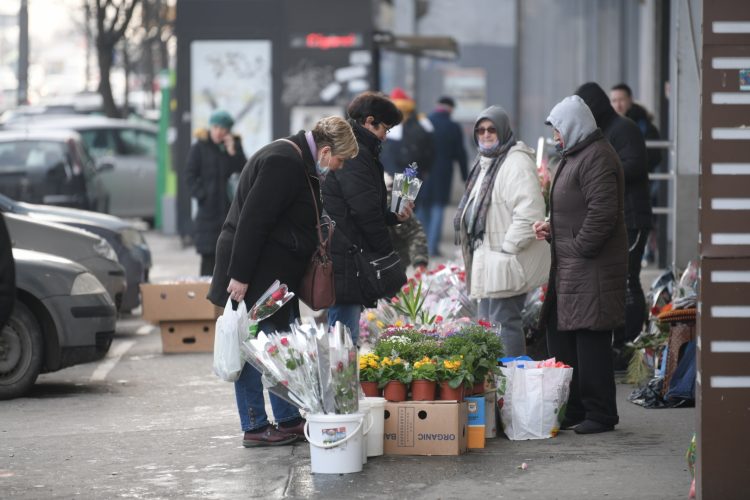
(166, 79)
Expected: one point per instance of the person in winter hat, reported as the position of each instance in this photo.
(585, 298)
(213, 158)
(410, 141)
(493, 225)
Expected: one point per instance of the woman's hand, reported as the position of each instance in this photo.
(229, 144)
(237, 290)
(541, 230)
(406, 213)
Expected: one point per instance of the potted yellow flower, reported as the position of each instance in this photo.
(454, 377)
(369, 374)
(395, 376)
(424, 379)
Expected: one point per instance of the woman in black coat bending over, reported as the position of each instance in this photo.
(270, 233)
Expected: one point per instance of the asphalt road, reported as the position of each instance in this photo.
(142, 424)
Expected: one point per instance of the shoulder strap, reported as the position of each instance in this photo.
(315, 200)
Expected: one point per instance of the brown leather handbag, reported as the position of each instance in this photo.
(317, 288)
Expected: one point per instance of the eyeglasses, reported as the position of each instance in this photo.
(386, 127)
(482, 130)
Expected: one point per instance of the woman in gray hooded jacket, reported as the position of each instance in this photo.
(586, 296)
(494, 223)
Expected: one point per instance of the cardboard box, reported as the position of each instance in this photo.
(425, 428)
(476, 407)
(476, 436)
(187, 336)
(490, 414)
(177, 301)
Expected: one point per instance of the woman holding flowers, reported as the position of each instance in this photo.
(355, 198)
(493, 224)
(269, 234)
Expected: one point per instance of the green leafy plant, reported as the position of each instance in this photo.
(409, 301)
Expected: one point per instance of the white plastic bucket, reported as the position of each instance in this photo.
(375, 436)
(335, 443)
(364, 407)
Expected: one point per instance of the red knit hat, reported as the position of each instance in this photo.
(398, 93)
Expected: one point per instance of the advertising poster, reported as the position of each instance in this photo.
(468, 86)
(234, 75)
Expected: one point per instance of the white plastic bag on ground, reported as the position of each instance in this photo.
(534, 400)
(230, 327)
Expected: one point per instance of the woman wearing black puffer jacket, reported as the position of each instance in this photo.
(355, 198)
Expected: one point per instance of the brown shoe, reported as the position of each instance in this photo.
(297, 429)
(270, 436)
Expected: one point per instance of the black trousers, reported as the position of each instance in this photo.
(208, 260)
(635, 301)
(592, 390)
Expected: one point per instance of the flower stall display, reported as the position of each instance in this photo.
(309, 366)
(405, 188)
(436, 299)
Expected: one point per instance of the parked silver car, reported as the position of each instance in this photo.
(51, 167)
(89, 250)
(126, 153)
(62, 316)
(126, 239)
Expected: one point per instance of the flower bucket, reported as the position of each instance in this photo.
(365, 407)
(370, 389)
(335, 443)
(447, 393)
(395, 391)
(423, 390)
(377, 431)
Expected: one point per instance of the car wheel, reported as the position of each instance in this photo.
(20, 353)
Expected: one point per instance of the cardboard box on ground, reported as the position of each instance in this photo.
(185, 316)
(425, 428)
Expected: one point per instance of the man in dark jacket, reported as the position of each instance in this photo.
(213, 158)
(436, 190)
(586, 296)
(626, 138)
(621, 98)
(410, 141)
(355, 198)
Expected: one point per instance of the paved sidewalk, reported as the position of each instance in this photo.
(644, 458)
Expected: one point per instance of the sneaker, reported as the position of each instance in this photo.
(269, 436)
(297, 428)
(592, 427)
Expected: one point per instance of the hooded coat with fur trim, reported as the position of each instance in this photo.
(206, 174)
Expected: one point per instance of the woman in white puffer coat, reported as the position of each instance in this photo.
(503, 198)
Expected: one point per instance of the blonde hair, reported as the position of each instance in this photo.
(335, 132)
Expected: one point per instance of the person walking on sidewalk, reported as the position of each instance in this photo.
(585, 299)
(212, 159)
(494, 226)
(436, 190)
(269, 234)
(627, 140)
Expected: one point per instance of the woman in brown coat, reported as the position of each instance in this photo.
(586, 297)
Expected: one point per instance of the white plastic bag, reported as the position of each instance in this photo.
(230, 327)
(534, 400)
